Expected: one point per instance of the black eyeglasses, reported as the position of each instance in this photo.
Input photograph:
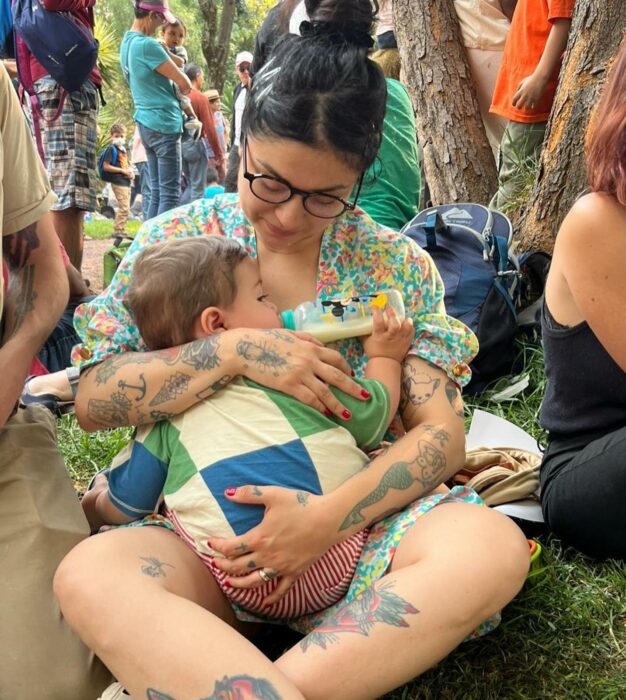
(243, 69)
(276, 191)
(214, 99)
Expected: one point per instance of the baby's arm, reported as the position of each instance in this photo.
(134, 483)
(386, 348)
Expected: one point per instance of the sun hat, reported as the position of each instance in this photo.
(243, 57)
(160, 6)
(212, 94)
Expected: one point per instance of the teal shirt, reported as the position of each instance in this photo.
(156, 105)
(391, 188)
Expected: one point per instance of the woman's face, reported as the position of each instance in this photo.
(289, 226)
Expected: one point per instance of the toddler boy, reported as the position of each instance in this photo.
(115, 169)
(186, 289)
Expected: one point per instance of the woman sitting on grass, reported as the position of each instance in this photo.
(434, 567)
(583, 476)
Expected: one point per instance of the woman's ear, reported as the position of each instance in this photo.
(209, 322)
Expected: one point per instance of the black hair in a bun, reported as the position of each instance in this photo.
(321, 88)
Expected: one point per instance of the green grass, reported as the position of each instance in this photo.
(103, 228)
(562, 638)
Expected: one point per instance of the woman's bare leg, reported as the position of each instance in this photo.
(153, 613)
(457, 565)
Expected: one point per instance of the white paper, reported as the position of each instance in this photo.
(487, 430)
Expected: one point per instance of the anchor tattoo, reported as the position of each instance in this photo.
(141, 388)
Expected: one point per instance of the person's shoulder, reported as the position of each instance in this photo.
(595, 224)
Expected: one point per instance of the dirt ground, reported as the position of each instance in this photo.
(93, 251)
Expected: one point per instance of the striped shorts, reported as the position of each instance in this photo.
(323, 584)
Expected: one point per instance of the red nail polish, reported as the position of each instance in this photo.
(227, 584)
(365, 394)
(231, 491)
(327, 413)
(346, 414)
(353, 373)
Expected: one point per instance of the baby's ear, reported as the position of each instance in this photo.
(209, 322)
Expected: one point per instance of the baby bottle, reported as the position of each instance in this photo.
(336, 319)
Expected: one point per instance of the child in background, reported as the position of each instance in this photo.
(526, 85)
(213, 187)
(115, 169)
(173, 35)
(242, 433)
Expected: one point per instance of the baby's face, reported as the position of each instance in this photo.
(173, 36)
(251, 309)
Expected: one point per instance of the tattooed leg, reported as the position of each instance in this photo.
(377, 605)
(240, 687)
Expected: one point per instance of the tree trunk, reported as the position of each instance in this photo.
(596, 32)
(458, 161)
(216, 38)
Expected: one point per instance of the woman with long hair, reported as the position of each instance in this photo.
(583, 476)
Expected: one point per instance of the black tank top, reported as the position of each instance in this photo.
(586, 388)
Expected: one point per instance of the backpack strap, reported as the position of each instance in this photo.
(27, 86)
(434, 225)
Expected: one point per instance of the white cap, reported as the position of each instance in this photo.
(243, 57)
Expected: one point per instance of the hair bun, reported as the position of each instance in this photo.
(337, 34)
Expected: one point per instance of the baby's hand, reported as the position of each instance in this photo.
(390, 337)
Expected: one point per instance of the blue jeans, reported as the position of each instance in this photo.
(163, 151)
(195, 166)
(144, 188)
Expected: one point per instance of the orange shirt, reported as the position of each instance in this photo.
(531, 25)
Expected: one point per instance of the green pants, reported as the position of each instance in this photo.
(519, 147)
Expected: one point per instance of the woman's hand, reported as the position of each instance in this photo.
(298, 365)
(295, 532)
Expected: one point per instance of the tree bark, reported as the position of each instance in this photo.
(216, 38)
(458, 161)
(596, 32)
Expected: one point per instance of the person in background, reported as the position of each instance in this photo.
(140, 161)
(243, 61)
(526, 85)
(386, 54)
(213, 187)
(69, 140)
(213, 96)
(173, 35)
(583, 474)
(484, 26)
(116, 170)
(41, 516)
(148, 69)
(195, 160)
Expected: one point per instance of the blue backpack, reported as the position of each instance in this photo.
(103, 174)
(470, 245)
(62, 44)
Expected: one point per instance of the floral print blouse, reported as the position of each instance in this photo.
(357, 256)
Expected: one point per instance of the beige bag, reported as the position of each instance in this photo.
(500, 474)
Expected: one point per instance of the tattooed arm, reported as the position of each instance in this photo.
(38, 294)
(135, 388)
